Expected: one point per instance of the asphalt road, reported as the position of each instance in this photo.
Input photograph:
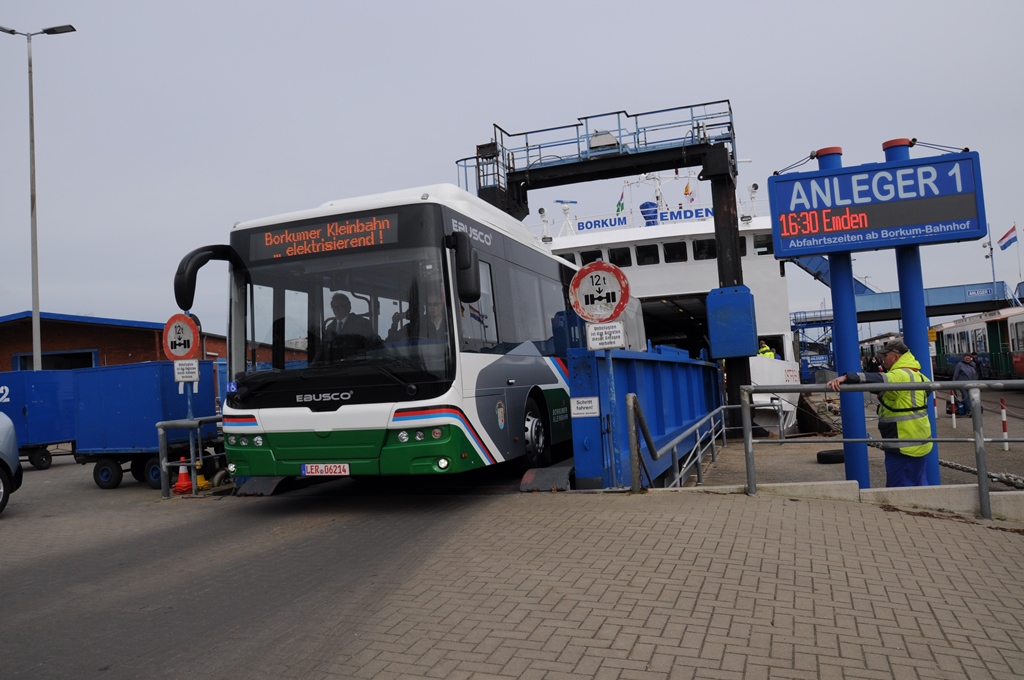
(119, 584)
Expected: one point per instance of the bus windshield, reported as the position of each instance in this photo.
(377, 320)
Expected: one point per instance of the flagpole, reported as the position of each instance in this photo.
(1019, 275)
(992, 252)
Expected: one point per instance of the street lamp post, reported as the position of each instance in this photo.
(37, 352)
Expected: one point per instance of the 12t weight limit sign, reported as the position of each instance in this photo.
(599, 292)
(181, 338)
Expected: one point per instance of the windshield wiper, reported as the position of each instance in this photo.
(410, 388)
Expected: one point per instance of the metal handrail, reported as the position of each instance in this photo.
(188, 423)
(974, 389)
(635, 420)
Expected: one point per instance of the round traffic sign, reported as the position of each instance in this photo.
(181, 337)
(599, 292)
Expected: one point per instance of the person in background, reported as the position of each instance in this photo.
(765, 351)
(966, 370)
(902, 414)
(872, 365)
(984, 370)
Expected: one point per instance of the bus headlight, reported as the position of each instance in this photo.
(442, 463)
(257, 440)
(232, 439)
(420, 436)
(436, 433)
(403, 436)
(231, 468)
(245, 441)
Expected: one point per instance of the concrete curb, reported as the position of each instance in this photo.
(958, 498)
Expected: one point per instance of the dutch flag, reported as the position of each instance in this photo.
(1009, 238)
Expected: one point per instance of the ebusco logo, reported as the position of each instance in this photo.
(324, 396)
(474, 233)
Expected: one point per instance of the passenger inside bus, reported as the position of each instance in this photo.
(434, 327)
(428, 327)
(345, 334)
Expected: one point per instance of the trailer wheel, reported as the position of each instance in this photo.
(40, 458)
(152, 472)
(107, 473)
(138, 469)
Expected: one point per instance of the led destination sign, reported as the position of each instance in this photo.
(879, 205)
(329, 237)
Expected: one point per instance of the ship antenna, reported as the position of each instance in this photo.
(567, 223)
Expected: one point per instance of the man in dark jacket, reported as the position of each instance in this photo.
(966, 370)
(346, 334)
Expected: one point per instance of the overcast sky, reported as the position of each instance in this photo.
(159, 125)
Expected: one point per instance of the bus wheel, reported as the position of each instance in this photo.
(538, 443)
(107, 473)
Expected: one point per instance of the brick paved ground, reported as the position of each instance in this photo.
(322, 584)
(671, 585)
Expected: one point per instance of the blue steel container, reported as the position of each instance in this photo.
(41, 404)
(674, 392)
(119, 406)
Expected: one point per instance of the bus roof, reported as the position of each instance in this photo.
(442, 194)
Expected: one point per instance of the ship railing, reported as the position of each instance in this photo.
(616, 132)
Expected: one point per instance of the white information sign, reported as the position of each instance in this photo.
(611, 335)
(586, 407)
(186, 370)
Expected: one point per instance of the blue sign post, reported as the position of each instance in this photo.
(900, 204)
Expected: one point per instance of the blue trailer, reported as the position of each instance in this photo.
(41, 404)
(117, 408)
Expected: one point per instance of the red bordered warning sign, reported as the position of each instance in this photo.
(181, 337)
(599, 292)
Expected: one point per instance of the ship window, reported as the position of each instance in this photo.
(647, 254)
(620, 257)
(763, 244)
(704, 249)
(588, 256)
(743, 246)
(675, 252)
(571, 257)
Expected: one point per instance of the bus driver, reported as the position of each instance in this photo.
(345, 334)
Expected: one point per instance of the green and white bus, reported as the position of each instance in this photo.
(421, 331)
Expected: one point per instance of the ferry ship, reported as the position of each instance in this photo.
(667, 250)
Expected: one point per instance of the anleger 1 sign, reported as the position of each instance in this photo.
(878, 205)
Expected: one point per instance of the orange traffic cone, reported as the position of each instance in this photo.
(184, 484)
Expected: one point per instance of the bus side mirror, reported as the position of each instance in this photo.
(185, 277)
(467, 267)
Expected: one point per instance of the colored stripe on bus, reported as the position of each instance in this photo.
(240, 421)
(561, 368)
(449, 412)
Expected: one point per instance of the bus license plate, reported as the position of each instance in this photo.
(325, 470)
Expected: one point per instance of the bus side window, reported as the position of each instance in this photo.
(479, 327)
